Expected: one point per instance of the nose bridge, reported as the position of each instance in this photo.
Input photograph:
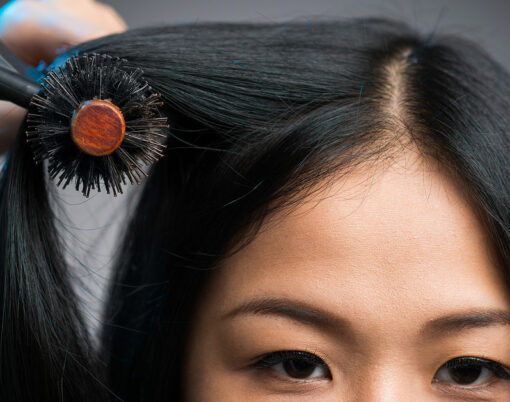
(388, 368)
(392, 381)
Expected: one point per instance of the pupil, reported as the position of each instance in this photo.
(465, 375)
(298, 368)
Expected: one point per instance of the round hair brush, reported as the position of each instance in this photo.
(93, 120)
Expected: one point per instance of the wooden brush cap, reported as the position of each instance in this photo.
(98, 127)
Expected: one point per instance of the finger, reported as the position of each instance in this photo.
(113, 18)
(86, 21)
(77, 15)
(33, 44)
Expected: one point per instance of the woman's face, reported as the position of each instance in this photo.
(383, 289)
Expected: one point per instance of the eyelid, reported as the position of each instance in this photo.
(271, 358)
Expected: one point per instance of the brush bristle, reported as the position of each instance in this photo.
(86, 77)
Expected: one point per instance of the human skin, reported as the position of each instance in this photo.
(398, 258)
(35, 31)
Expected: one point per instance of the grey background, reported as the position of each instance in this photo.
(92, 226)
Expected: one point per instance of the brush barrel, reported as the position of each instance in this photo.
(98, 127)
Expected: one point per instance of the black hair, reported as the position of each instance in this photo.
(45, 352)
(259, 115)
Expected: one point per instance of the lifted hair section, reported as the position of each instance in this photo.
(45, 354)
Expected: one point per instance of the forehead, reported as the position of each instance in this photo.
(402, 235)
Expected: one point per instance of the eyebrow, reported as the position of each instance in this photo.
(316, 317)
(294, 310)
(471, 319)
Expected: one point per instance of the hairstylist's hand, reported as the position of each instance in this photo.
(36, 30)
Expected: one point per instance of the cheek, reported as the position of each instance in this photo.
(208, 379)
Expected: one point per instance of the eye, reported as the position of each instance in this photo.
(294, 364)
(469, 371)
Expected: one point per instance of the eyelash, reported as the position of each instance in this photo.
(490, 364)
(271, 359)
